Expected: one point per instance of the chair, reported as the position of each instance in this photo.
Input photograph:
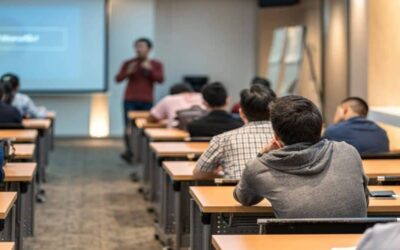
(225, 182)
(198, 139)
(381, 156)
(320, 225)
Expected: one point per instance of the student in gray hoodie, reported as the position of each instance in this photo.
(301, 175)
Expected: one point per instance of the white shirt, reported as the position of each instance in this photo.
(27, 107)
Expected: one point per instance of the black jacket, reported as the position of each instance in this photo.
(214, 123)
(9, 114)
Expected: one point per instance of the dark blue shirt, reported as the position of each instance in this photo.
(365, 135)
(9, 114)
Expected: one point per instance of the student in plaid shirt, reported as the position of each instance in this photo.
(228, 152)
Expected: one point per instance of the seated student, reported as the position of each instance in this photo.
(8, 114)
(22, 102)
(217, 120)
(228, 152)
(184, 98)
(353, 127)
(382, 237)
(256, 80)
(301, 175)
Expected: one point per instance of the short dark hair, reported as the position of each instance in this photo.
(180, 88)
(12, 79)
(215, 94)
(2, 92)
(146, 41)
(358, 105)
(296, 119)
(254, 102)
(262, 81)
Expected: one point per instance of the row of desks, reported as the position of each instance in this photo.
(192, 210)
(31, 144)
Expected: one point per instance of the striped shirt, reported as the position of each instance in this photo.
(233, 149)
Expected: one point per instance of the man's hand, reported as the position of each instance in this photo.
(132, 67)
(146, 64)
(272, 145)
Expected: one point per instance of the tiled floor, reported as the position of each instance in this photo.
(91, 203)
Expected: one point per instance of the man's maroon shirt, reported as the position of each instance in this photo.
(141, 82)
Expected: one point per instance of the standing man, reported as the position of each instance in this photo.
(142, 73)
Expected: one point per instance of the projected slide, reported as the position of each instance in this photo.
(54, 45)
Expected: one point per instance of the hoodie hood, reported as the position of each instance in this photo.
(300, 158)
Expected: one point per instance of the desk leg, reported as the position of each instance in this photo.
(28, 200)
(18, 219)
(178, 219)
(200, 228)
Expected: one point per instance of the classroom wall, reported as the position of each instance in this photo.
(213, 37)
(384, 52)
(307, 13)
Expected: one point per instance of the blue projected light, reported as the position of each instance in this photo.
(54, 45)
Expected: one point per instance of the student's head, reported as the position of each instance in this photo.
(143, 47)
(12, 80)
(296, 119)
(180, 88)
(215, 95)
(351, 107)
(254, 103)
(6, 93)
(262, 81)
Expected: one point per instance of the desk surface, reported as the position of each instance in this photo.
(374, 168)
(51, 114)
(142, 123)
(7, 246)
(24, 151)
(285, 242)
(36, 123)
(178, 149)
(19, 172)
(180, 170)
(133, 115)
(166, 134)
(213, 199)
(20, 135)
(7, 200)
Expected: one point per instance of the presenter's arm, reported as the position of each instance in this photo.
(157, 72)
(127, 69)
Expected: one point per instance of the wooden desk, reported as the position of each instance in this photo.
(142, 123)
(7, 246)
(133, 115)
(178, 149)
(24, 151)
(214, 199)
(20, 135)
(374, 168)
(20, 176)
(209, 202)
(180, 170)
(51, 114)
(36, 123)
(285, 242)
(7, 200)
(19, 172)
(166, 134)
(9, 214)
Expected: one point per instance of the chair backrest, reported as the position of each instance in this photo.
(391, 178)
(186, 116)
(320, 226)
(387, 155)
(11, 126)
(226, 182)
(198, 139)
